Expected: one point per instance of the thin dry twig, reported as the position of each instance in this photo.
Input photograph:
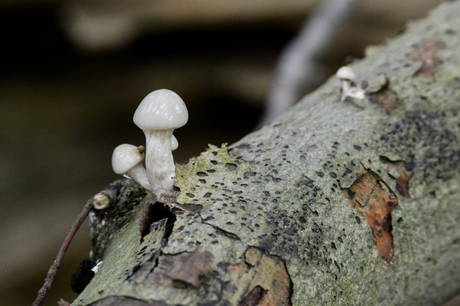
(298, 67)
(57, 262)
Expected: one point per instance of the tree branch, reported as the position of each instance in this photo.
(336, 202)
(298, 67)
(57, 262)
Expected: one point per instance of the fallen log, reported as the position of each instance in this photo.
(353, 202)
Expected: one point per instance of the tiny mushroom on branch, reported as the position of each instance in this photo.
(127, 160)
(347, 76)
(158, 115)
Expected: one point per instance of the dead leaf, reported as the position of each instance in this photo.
(426, 54)
(406, 170)
(192, 268)
(374, 200)
(259, 279)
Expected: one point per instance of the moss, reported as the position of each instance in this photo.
(195, 178)
(125, 197)
(119, 261)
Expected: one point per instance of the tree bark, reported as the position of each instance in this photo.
(343, 203)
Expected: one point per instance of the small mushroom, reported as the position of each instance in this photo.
(158, 115)
(127, 161)
(347, 76)
(96, 267)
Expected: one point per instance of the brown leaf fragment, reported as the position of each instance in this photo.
(254, 297)
(374, 200)
(181, 270)
(259, 279)
(385, 99)
(383, 96)
(252, 256)
(402, 183)
(406, 170)
(426, 54)
(192, 269)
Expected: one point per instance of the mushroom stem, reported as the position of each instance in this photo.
(139, 175)
(346, 86)
(159, 161)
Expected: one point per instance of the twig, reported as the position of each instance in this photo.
(57, 262)
(298, 66)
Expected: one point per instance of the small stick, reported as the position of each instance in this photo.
(298, 67)
(57, 262)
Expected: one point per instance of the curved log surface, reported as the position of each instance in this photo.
(348, 203)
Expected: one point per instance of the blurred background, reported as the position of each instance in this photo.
(73, 73)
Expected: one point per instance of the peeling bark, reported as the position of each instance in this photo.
(373, 199)
(268, 220)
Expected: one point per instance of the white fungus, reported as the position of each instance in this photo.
(158, 115)
(127, 160)
(347, 76)
(96, 267)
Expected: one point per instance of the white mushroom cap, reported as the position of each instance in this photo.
(345, 73)
(161, 109)
(125, 157)
(127, 160)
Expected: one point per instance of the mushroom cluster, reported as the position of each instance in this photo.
(349, 88)
(158, 115)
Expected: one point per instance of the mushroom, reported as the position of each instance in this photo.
(96, 267)
(158, 115)
(346, 76)
(127, 161)
(174, 145)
